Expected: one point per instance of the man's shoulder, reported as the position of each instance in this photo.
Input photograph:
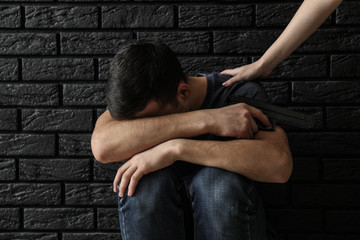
(251, 89)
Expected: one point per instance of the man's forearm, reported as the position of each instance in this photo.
(266, 158)
(258, 159)
(115, 140)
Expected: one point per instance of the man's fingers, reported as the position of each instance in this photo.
(118, 176)
(254, 127)
(134, 181)
(258, 114)
(125, 179)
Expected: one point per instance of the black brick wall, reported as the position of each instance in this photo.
(54, 56)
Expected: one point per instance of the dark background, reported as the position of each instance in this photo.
(53, 61)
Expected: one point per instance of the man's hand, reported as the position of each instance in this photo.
(236, 121)
(153, 159)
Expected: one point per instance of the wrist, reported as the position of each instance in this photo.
(265, 66)
(176, 146)
(208, 121)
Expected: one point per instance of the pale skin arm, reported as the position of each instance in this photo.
(266, 158)
(308, 18)
(118, 140)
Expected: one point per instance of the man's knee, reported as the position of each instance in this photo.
(226, 203)
(223, 191)
(155, 203)
(152, 190)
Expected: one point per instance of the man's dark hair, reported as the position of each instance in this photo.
(141, 72)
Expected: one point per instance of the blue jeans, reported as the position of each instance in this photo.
(217, 204)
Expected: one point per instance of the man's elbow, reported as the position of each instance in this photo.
(98, 150)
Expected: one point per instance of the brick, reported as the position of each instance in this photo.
(309, 237)
(348, 13)
(7, 169)
(315, 112)
(273, 195)
(291, 220)
(277, 91)
(104, 64)
(27, 43)
(87, 236)
(9, 218)
(180, 42)
(31, 0)
(341, 170)
(343, 221)
(301, 67)
(328, 40)
(27, 145)
(61, 17)
(54, 169)
(29, 194)
(275, 14)
(107, 219)
(29, 95)
(8, 119)
(84, 95)
(138, 16)
(317, 144)
(56, 120)
(58, 218)
(90, 194)
(305, 169)
(27, 236)
(342, 237)
(345, 65)
(326, 92)
(58, 69)
(193, 65)
(343, 118)
(93, 42)
(8, 69)
(209, 15)
(316, 195)
(10, 16)
(75, 145)
(244, 41)
(105, 172)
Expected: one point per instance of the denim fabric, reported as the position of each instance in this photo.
(155, 210)
(224, 205)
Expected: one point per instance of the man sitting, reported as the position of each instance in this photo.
(187, 153)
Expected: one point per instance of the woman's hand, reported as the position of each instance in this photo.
(310, 15)
(246, 73)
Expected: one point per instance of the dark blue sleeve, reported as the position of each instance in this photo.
(253, 90)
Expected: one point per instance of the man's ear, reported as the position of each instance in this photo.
(183, 91)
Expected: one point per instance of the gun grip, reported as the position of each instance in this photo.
(262, 127)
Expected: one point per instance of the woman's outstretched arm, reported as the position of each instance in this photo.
(308, 18)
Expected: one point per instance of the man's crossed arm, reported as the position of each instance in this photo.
(118, 140)
(156, 142)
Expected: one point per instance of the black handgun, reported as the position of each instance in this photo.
(276, 114)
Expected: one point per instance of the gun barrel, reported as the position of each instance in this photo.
(278, 114)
